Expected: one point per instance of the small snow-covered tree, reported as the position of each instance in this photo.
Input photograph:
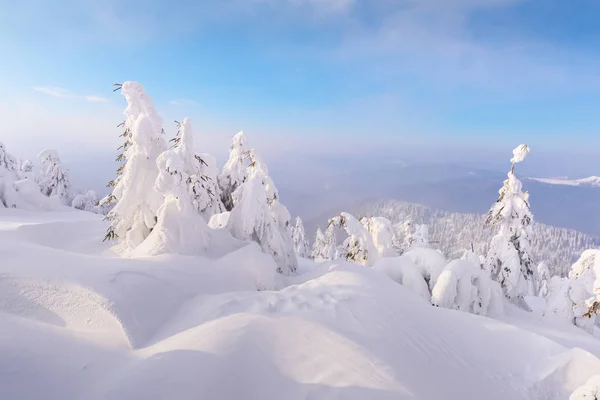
(8, 176)
(235, 171)
(383, 235)
(464, 286)
(203, 189)
(86, 201)
(543, 276)
(179, 228)
(420, 237)
(330, 248)
(584, 291)
(300, 241)
(53, 178)
(408, 231)
(259, 216)
(25, 170)
(509, 257)
(136, 200)
(318, 248)
(358, 247)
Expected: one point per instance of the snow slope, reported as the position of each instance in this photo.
(76, 322)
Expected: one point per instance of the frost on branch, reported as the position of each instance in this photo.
(519, 153)
(179, 228)
(300, 241)
(235, 171)
(259, 216)
(53, 178)
(509, 260)
(463, 286)
(358, 247)
(136, 200)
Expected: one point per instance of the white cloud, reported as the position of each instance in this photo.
(66, 94)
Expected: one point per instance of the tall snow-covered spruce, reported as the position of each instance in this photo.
(235, 171)
(136, 199)
(509, 260)
(53, 178)
(201, 176)
(8, 176)
(259, 216)
(300, 241)
(317, 252)
(180, 229)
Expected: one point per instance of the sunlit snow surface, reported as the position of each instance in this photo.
(79, 322)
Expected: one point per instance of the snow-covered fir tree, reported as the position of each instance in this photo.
(235, 171)
(86, 201)
(420, 237)
(318, 248)
(383, 235)
(509, 260)
(201, 178)
(408, 232)
(259, 216)
(53, 178)
(358, 247)
(8, 176)
(26, 170)
(136, 200)
(179, 228)
(543, 278)
(300, 240)
(330, 248)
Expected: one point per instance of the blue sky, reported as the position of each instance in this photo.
(317, 75)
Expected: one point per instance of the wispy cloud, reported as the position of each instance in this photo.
(184, 102)
(66, 94)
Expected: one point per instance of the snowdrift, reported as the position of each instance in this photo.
(76, 322)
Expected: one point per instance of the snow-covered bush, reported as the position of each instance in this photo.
(86, 201)
(300, 241)
(509, 258)
(234, 172)
(53, 178)
(137, 202)
(8, 176)
(358, 247)
(219, 221)
(543, 276)
(383, 235)
(25, 170)
(417, 269)
(179, 228)
(464, 286)
(258, 216)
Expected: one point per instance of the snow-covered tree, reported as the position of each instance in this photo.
(317, 252)
(383, 235)
(179, 228)
(53, 178)
(464, 286)
(543, 276)
(420, 237)
(509, 260)
(86, 201)
(259, 216)
(25, 170)
(235, 171)
(330, 248)
(300, 241)
(584, 291)
(136, 200)
(358, 247)
(201, 177)
(8, 176)
(589, 391)
(408, 231)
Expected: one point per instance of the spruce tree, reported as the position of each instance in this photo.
(136, 200)
(318, 249)
(8, 176)
(53, 178)
(235, 171)
(300, 241)
(509, 260)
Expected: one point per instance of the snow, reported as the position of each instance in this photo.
(79, 322)
(519, 153)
